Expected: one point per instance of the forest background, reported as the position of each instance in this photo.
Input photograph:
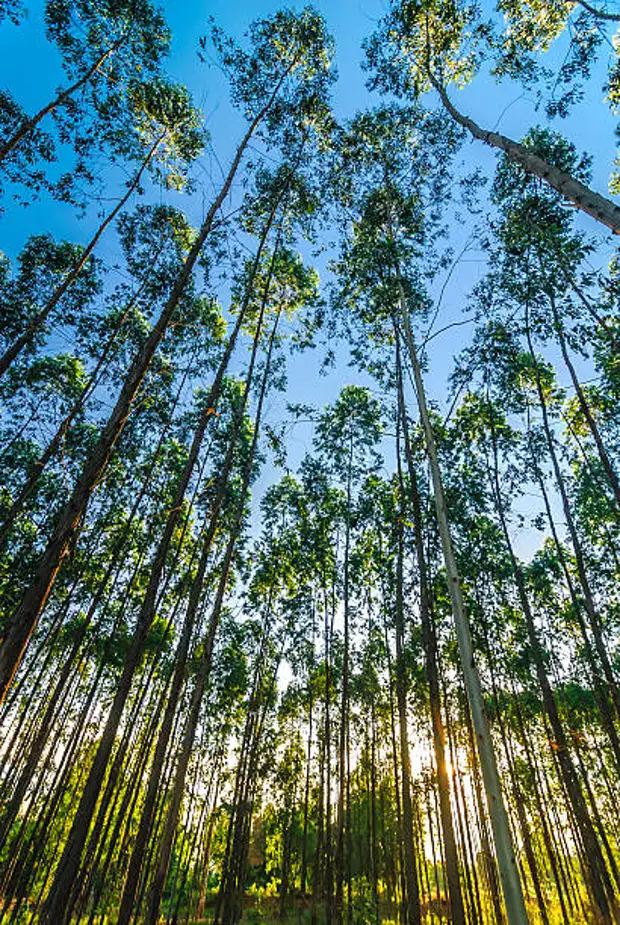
(308, 592)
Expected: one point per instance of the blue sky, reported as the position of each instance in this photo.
(30, 69)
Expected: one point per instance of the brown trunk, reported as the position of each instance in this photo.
(557, 872)
(397, 795)
(304, 851)
(329, 876)
(489, 859)
(600, 690)
(520, 808)
(67, 526)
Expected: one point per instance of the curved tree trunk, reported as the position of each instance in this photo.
(601, 209)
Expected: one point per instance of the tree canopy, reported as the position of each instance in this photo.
(309, 470)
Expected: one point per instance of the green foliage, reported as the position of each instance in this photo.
(250, 619)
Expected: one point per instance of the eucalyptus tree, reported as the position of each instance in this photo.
(66, 873)
(391, 228)
(320, 515)
(534, 239)
(40, 269)
(218, 449)
(536, 231)
(429, 636)
(257, 747)
(387, 516)
(533, 296)
(282, 83)
(279, 595)
(422, 47)
(203, 674)
(153, 242)
(223, 718)
(97, 573)
(211, 527)
(286, 289)
(130, 470)
(289, 782)
(165, 136)
(346, 437)
(104, 46)
(500, 438)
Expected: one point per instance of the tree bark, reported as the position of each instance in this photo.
(509, 874)
(430, 650)
(412, 899)
(24, 619)
(585, 199)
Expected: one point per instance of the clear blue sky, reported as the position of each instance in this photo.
(29, 67)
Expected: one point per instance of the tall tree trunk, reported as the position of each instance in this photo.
(69, 864)
(412, 898)
(556, 870)
(206, 859)
(144, 828)
(509, 873)
(343, 778)
(24, 620)
(430, 652)
(329, 875)
(306, 808)
(596, 869)
(397, 796)
(590, 608)
(202, 677)
(601, 209)
(601, 690)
